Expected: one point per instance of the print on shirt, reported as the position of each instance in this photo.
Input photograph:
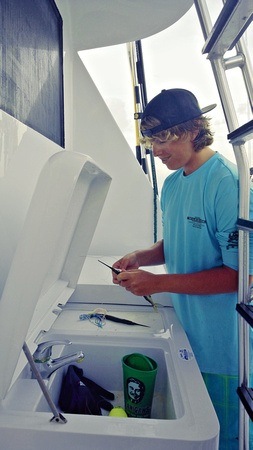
(233, 240)
(196, 222)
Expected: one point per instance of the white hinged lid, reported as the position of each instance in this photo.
(51, 247)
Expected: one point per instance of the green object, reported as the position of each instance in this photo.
(117, 411)
(139, 375)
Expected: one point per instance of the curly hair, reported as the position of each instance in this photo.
(201, 125)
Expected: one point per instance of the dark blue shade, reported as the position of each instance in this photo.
(31, 65)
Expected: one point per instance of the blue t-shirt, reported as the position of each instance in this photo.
(200, 213)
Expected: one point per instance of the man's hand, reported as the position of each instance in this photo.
(139, 282)
(128, 262)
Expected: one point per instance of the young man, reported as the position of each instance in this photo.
(199, 202)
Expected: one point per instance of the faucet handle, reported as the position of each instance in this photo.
(43, 351)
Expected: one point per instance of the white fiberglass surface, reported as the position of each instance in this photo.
(182, 416)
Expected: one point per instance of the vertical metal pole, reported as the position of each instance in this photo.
(243, 289)
(140, 102)
(244, 189)
(140, 152)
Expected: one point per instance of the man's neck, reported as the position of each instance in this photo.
(200, 158)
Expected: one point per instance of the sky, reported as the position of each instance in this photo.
(172, 58)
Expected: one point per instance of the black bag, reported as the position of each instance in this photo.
(80, 395)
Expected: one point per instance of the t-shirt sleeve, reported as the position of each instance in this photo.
(226, 207)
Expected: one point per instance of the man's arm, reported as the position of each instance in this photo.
(207, 282)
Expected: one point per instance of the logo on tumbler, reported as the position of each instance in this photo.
(135, 389)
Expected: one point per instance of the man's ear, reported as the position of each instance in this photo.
(193, 135)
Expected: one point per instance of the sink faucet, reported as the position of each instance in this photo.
(46, 364)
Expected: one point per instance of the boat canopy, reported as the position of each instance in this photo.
(99, 23)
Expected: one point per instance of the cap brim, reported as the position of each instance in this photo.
(208, 108)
